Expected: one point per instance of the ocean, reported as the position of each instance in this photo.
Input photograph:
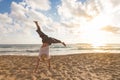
(57, 49)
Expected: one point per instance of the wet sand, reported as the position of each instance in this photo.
(94, 66)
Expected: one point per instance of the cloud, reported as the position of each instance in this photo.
(70, 24)
(5, 20)
(111, 29)
(74, 8)
(73, 14)
(19, 22)
(71, 8)
(39, 4)
(92, 14)
(23, 15)
(89, 9)
(115, 3)
(18, 12)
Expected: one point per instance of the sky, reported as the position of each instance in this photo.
(72, 21)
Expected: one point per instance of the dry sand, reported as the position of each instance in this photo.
(102, 66)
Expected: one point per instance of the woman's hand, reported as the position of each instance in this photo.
(63, 44)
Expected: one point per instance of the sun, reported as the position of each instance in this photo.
(92, 32)
(96, 38)
(97, 44)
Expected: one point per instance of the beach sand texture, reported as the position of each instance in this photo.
(99, 66)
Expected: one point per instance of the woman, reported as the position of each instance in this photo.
(47, 41)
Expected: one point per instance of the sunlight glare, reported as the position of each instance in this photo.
(97, 44)
(92, 31)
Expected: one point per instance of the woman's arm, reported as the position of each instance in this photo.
(53, 40)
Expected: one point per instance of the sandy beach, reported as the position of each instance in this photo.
(99, 66)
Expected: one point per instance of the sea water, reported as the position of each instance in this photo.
(57, 49)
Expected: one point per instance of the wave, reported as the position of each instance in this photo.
(6, 46)
(32, 50)
(57, 48)
(28, 51)
(97, 48)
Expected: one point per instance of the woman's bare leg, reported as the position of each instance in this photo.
(38, 27)
(37, 65)
(49, 63)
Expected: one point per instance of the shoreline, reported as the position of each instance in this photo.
(86, 66)
(60, 54)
